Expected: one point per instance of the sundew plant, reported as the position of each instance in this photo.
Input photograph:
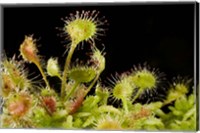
(30, 104)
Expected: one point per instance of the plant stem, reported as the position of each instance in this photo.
(66, 68)
(125, 106)
(72, 90)
(137, 94)
(43, 75)
(59, 77)
(166, 102)
(93, 82)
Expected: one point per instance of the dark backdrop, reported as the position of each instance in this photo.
(160, 34)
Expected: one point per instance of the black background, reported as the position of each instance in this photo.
(160, 34)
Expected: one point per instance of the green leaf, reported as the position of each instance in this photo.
(160, 113)
(90, 103)
(69, 122)
(191, 100)
(53, 68)
(82, 74)
(181, 103)
(60, 114)
(102, 93)
(137, 107)
(82, 114)
(107, 108)
(174, 126)
(78, 123)
(153, 106)
(41, 118)
(185, 125)
(89, 121)
(189, 113)
(154, 122)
